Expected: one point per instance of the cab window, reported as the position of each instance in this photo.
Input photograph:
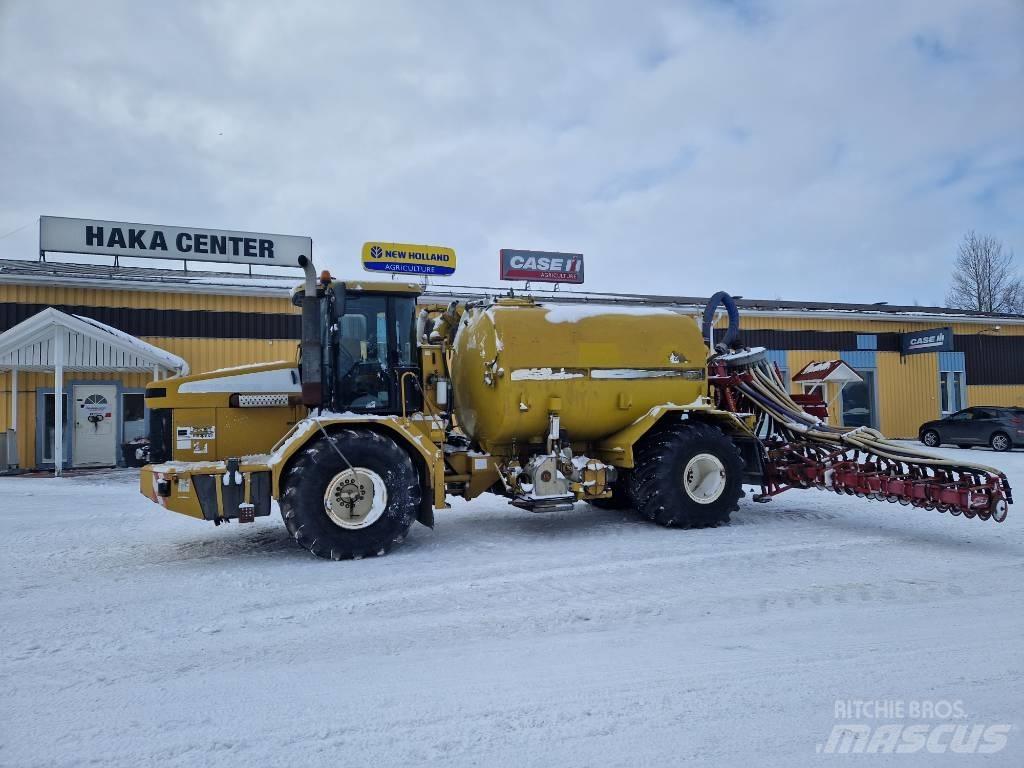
(361, 347)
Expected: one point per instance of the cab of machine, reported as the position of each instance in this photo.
(371, 346)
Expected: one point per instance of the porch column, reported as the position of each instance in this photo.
(58, 402)
(14, 399)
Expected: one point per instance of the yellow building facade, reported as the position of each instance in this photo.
(211, 322)
(216, 320)
(986, 366)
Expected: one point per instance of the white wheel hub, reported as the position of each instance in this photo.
(355, 498)
(1000, 443)
(999, 509)
(704, 478)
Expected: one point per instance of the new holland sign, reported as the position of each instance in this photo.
(932, 340)
(399, 258)
(546, 266)
(155, 241)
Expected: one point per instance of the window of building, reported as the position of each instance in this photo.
(859, 401)
(133, 406)
(818, 390)
(951, 391)
(49, 426)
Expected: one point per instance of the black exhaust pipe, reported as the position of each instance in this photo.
(312, 352)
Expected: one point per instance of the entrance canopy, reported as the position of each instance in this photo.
(826, 372)
(88, 345)
(55, 341)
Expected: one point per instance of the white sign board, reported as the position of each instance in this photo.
(156, 241)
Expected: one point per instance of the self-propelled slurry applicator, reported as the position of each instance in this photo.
(393, 406)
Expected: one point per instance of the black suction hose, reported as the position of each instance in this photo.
(732, 334)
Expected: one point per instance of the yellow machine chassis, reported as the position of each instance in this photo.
(176, 485)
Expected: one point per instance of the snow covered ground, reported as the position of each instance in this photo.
(134, 636)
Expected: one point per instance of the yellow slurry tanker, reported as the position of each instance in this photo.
(393, 407)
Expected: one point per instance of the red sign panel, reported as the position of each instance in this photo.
(545, 266)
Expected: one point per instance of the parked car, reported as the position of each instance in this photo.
(1001, 428)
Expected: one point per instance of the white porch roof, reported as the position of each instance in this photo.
(89, 345)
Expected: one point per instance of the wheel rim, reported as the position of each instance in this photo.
(999, 509)
(704, 478)
(931, 439)
(999, 442)
(355, 498)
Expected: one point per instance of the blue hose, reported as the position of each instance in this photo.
(732, 334)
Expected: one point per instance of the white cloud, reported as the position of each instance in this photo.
(789, 150)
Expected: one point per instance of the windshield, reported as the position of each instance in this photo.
(361, 347)
(375, 338)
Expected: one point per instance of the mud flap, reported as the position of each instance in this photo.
(425, 514)
(753, 458)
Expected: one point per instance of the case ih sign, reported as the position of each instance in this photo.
(546, 266)
(932, 340)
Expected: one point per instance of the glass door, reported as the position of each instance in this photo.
(859, 401)
(951, 391)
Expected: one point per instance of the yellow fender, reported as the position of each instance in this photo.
(617, 449)
(412, 433)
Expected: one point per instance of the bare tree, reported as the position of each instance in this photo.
(984, 277)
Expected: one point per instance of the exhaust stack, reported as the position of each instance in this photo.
(312, 353)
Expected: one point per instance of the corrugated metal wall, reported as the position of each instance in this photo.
(28, 383)
(995, 395)
(908, 392)
(202, 354)
(99, 297)
(907, 387)
(210, 354)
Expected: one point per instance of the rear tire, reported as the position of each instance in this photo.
(338, 512)
(931, 438)
(1000, 442)
(689, 476)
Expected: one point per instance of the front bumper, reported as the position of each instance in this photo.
(217, 491)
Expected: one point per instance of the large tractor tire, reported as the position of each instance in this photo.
(340, 512)
(689, 476)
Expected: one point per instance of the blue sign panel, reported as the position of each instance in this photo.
(408, 259)
(932, 340)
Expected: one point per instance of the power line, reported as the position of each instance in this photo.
(18, 229)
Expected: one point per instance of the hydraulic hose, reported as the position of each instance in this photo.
(765, 389)
(732, 334)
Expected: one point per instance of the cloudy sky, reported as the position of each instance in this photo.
(815, 150)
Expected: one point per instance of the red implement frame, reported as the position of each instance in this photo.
(792, 460)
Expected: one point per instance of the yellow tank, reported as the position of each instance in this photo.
(599, 367)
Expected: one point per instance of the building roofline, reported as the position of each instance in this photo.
(108, 277)
(750, 307)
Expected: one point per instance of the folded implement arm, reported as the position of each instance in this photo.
(802, 451)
